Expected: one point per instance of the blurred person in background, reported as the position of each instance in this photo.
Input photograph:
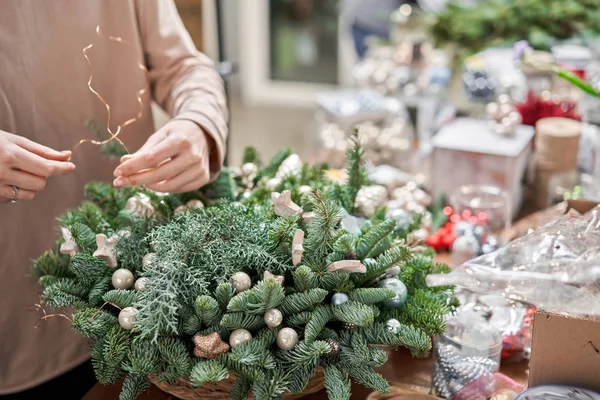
(369, 18)
(44, 104)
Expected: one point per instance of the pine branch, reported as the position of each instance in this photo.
(321, 230)
(298, 319)
(253, 353)
(265, 295)
(395, 256)
(95, 298)
(375, 240)
(133, 387)
(84, 237)
(414, 339)
(240, 389)
(222, 188)
(88, 269)
(298, 302)
(366, 376)
(423, 310)
(320, 317)
(272, 387)
(116, 347)
(282, 231)
(371, 295)
(237, 320)
(337, 383)
(51, 264)
(177, 357)
(208, 371)
(338, 281)
(357, 172)
(120, 298)
(224, 293)
(304, 279)
(251, 155)
(207, 310)
(105, 374)
(354, 313)
(276, 161)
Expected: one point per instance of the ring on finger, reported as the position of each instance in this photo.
(15, 193)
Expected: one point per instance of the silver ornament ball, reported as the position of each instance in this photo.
(304, 189)
(339, 298)
(273, 318)
(466, 246)
(141, 284)
(249, 169)
(127, 317)
(392, 325)
(399, 288)
(402, 217)
(287, 338)
(147, 260)
(122, 279)
(238, 337)
(272, 183)
(240, 281)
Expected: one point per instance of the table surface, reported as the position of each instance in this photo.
(401, 371)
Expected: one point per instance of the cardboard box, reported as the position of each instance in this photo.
(565, 351)
(467, 152)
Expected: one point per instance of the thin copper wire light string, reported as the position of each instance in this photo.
(114, 135)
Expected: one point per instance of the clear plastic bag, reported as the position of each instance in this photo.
(555, 268)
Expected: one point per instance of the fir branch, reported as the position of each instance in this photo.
(397, 255)
(265, 295)
(84, 237)
(208, 371)
(272, 387)
(253, 353)
(143, 359)
(97, 291)
(304, 279)
(175, 354)
(298, 380)
(133, 386)
(354, 313)
(424, 310)
(371, 295)
(251, 155)
(276, 161)
(222, 188)
(224, 293)
(105, 374)
(237, 320)
(120, 298)
(207, 310)
(88, 269)
(414, 339)
(337, 383)
(282, 231)
(357, 172)
(298, 302)
(366, 376)
(298, 319)
(378, 357)
(321, 230)
(90, 322)
(253, 373)
(319, 318)
(376, 240)
(240, 389)
(52, 264)
(116, 347)
(338, 281)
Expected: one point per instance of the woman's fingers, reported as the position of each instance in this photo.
(36, 165)
(24, 180)
(192, 177)
(6, 194)
(151, 158)
(42, 151)
(165, 171)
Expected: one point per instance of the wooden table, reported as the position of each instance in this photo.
(401, 370)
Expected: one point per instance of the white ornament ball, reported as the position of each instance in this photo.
(399, 288)
(122, 279)
(419, 235)
(273, 318)
(249, 169)
(287, 338)
(272, 183)
(392, 325)
(238, 337)
(304, 189)
(395, 270)
(141, 284)
(402, 217)
(339, 298)
(127, 318)
(241, 281)
(147, 260)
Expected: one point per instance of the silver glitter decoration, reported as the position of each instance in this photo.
(339, 298)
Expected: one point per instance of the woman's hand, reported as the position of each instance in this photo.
(27, 166)
(175, 159)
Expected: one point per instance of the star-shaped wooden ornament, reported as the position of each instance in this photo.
(209, 346)
(69, 246)
(107, 249)
(353, 266)
(297, 249)
(284, 205)
(278, 278)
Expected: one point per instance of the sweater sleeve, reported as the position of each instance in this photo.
(184, 81)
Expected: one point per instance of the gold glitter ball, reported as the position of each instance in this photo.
(209, 346)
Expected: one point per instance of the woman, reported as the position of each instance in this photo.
(44, 104)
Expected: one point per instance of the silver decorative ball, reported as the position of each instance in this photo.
(395, 270)
(402, 217)
(249, 169)
(147, 260)
(304, 189)
(272, 183)
(273, 318)
(127, 317)
(287, 338)
(240, 281)
(392, 325)
(399, 288)
(122, 279)
(141, 284)
(238, 337)
(466, 246)
(339, 298)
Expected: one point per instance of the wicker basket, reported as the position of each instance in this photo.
(183, 389)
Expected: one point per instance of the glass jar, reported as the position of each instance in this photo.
(483, 204)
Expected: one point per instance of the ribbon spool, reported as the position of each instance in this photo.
(557, 146)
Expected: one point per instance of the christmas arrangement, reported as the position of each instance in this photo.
(252, 281)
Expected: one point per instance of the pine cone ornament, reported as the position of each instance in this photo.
(440, 384)
(348, 326)
(334, 347)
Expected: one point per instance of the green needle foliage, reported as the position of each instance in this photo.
(189, 290)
